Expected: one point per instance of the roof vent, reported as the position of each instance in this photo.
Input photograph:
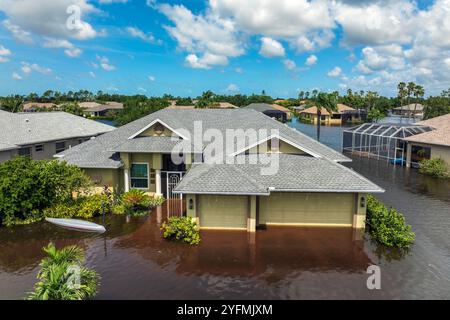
(27, 120)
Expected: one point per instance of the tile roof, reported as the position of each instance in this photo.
(411, 107)
(440, 136)
(98, 153)
(437, 122)
(18, 129)
(296, 174)
(341, 108)
(263, 107)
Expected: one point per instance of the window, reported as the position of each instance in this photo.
(139, 176)
(25, 152)
(39, 148)
(60, 146)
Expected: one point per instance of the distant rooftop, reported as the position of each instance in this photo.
(341, 108)
(19, 129)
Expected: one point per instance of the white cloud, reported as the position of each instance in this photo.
(137, 33)
(376, 23)
(208, 36)
(28, 68)
(206, 61)
(105, 64)
(142, 89)
(18, 33)
(297, 21)
(311, 60)
(239, 70)
(70, 49)
(151, 78)
(335, 72)
(232, 88)
(4, 53)
(380, 58)
(16, 76)
(271, 48)
(92, 74)
(47, 18)
(289, 64)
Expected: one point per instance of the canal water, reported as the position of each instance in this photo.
(278, 263)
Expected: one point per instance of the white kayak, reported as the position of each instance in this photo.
(75, 224)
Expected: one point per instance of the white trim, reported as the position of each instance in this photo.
(148, 176)
(151, 124)
(277, 136)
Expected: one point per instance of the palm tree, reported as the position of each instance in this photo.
(410, 87)
(401, 94)
(57, 274)
(327, 101)
(418, 92)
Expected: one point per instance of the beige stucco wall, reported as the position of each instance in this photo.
(223, 212)
(102, 177)
(307, 209)
(301, 209)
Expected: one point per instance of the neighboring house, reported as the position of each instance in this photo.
(41, 135)
(36, 106)
(409, 110)
(432, 144)
(99, 109)
(344, 114)
(310, 188)
(270, 110)
(284, 109)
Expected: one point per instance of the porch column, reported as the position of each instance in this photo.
(126, 179)
(158, 182)
(359, 215)
(251, 219)
(408, 155)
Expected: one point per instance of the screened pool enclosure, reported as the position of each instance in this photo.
(381, 140)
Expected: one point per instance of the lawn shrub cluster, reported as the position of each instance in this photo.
(388, 226)
(84, 207)
(27, 187)
(136, 203)
(435, 167)
(59, 273)
(182, 229)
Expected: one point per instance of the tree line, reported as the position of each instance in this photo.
(136, 106)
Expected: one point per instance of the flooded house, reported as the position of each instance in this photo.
(309, 186)
(343, 114)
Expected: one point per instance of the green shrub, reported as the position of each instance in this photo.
(434, 167)
(118, 209)
(57, 274)
(137, 202)
(388, 226)
(182, 229)
(92, 206)
(85, 207)
(28, 186)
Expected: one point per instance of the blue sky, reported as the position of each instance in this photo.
(186, 47)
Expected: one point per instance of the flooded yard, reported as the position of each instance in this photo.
(278, 263)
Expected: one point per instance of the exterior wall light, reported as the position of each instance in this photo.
(363, 202)
(191, 204)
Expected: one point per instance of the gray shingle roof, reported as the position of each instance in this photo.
(295, 174)
(98, 153)
(18, 129)
(147, 144)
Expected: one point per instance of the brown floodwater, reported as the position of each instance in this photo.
(278, 263)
